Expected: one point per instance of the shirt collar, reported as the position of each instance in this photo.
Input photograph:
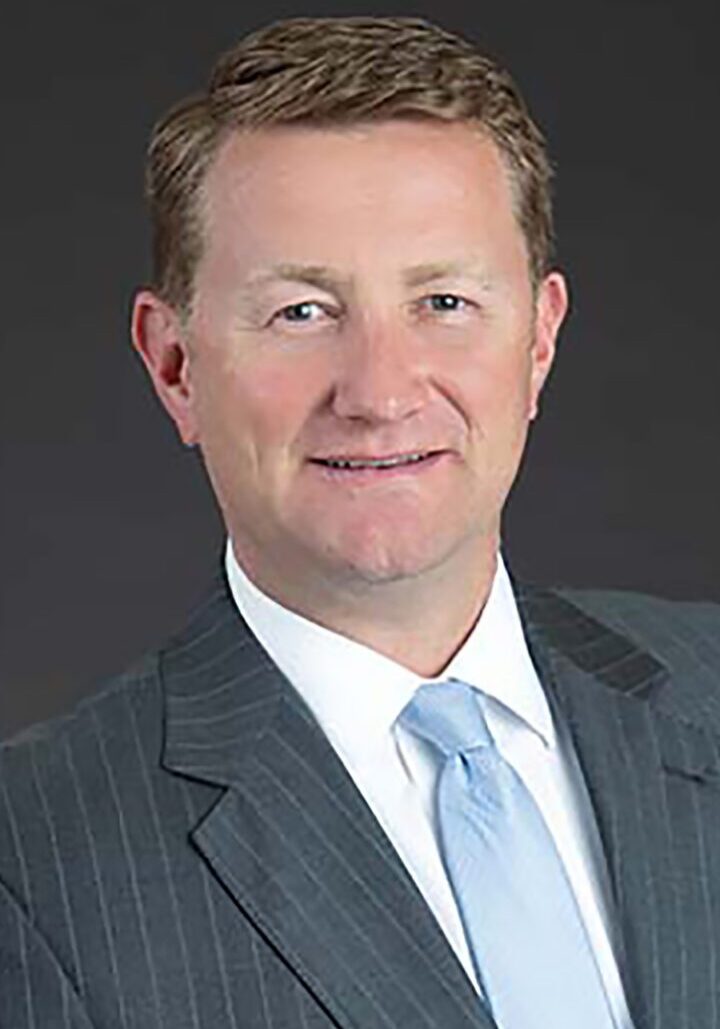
(496, 660)
(357, 693)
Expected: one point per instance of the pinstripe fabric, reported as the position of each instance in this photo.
(649, 751)
(186, 851)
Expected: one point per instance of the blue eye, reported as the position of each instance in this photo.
(301, 312)
(446, 302)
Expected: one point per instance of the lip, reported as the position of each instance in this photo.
(370, 475)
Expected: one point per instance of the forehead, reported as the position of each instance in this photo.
(292, 189)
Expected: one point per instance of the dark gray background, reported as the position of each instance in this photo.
(108, 529)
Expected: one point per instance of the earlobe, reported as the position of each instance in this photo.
(551, 307)
(159, 339)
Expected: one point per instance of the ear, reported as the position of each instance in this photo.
(160, 340)
(551, 306)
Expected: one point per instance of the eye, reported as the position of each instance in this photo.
(302, 313)
(446, 302)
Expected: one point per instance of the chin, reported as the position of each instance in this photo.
(387, 561)
(392, 549)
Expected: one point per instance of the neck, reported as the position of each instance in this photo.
(420, 622)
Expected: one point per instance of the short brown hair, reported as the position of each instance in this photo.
(326, 72)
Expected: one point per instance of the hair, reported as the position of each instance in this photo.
(332, 73)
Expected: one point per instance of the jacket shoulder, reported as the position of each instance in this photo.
(59, 776)
(47, 737)
(683, 636)
(657, 623)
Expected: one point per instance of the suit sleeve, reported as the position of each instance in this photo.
(35, 992)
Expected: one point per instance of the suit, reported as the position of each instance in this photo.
(186, 850)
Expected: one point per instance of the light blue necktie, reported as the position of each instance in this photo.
(529, 946)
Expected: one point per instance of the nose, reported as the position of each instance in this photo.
(381, 376)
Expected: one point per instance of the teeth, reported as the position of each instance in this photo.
(387, 462)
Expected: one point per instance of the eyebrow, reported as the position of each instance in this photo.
(312, 274)
(422, 274)
(326, 279)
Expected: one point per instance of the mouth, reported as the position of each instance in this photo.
(380, 465)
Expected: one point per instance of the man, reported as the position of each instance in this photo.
(354, 314)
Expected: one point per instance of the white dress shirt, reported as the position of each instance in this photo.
(356, 695)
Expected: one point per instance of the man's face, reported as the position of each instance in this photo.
(365, 349)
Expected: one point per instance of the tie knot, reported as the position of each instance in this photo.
(448, 715)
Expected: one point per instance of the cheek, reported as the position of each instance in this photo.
(259, 406)
(494, 388)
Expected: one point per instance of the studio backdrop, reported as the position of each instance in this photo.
(109, 533)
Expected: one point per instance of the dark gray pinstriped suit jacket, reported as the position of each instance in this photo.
(185, 850)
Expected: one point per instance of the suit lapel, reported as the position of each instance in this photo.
(294, 843)
(653, 784)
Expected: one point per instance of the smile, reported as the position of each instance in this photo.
(395, 461)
